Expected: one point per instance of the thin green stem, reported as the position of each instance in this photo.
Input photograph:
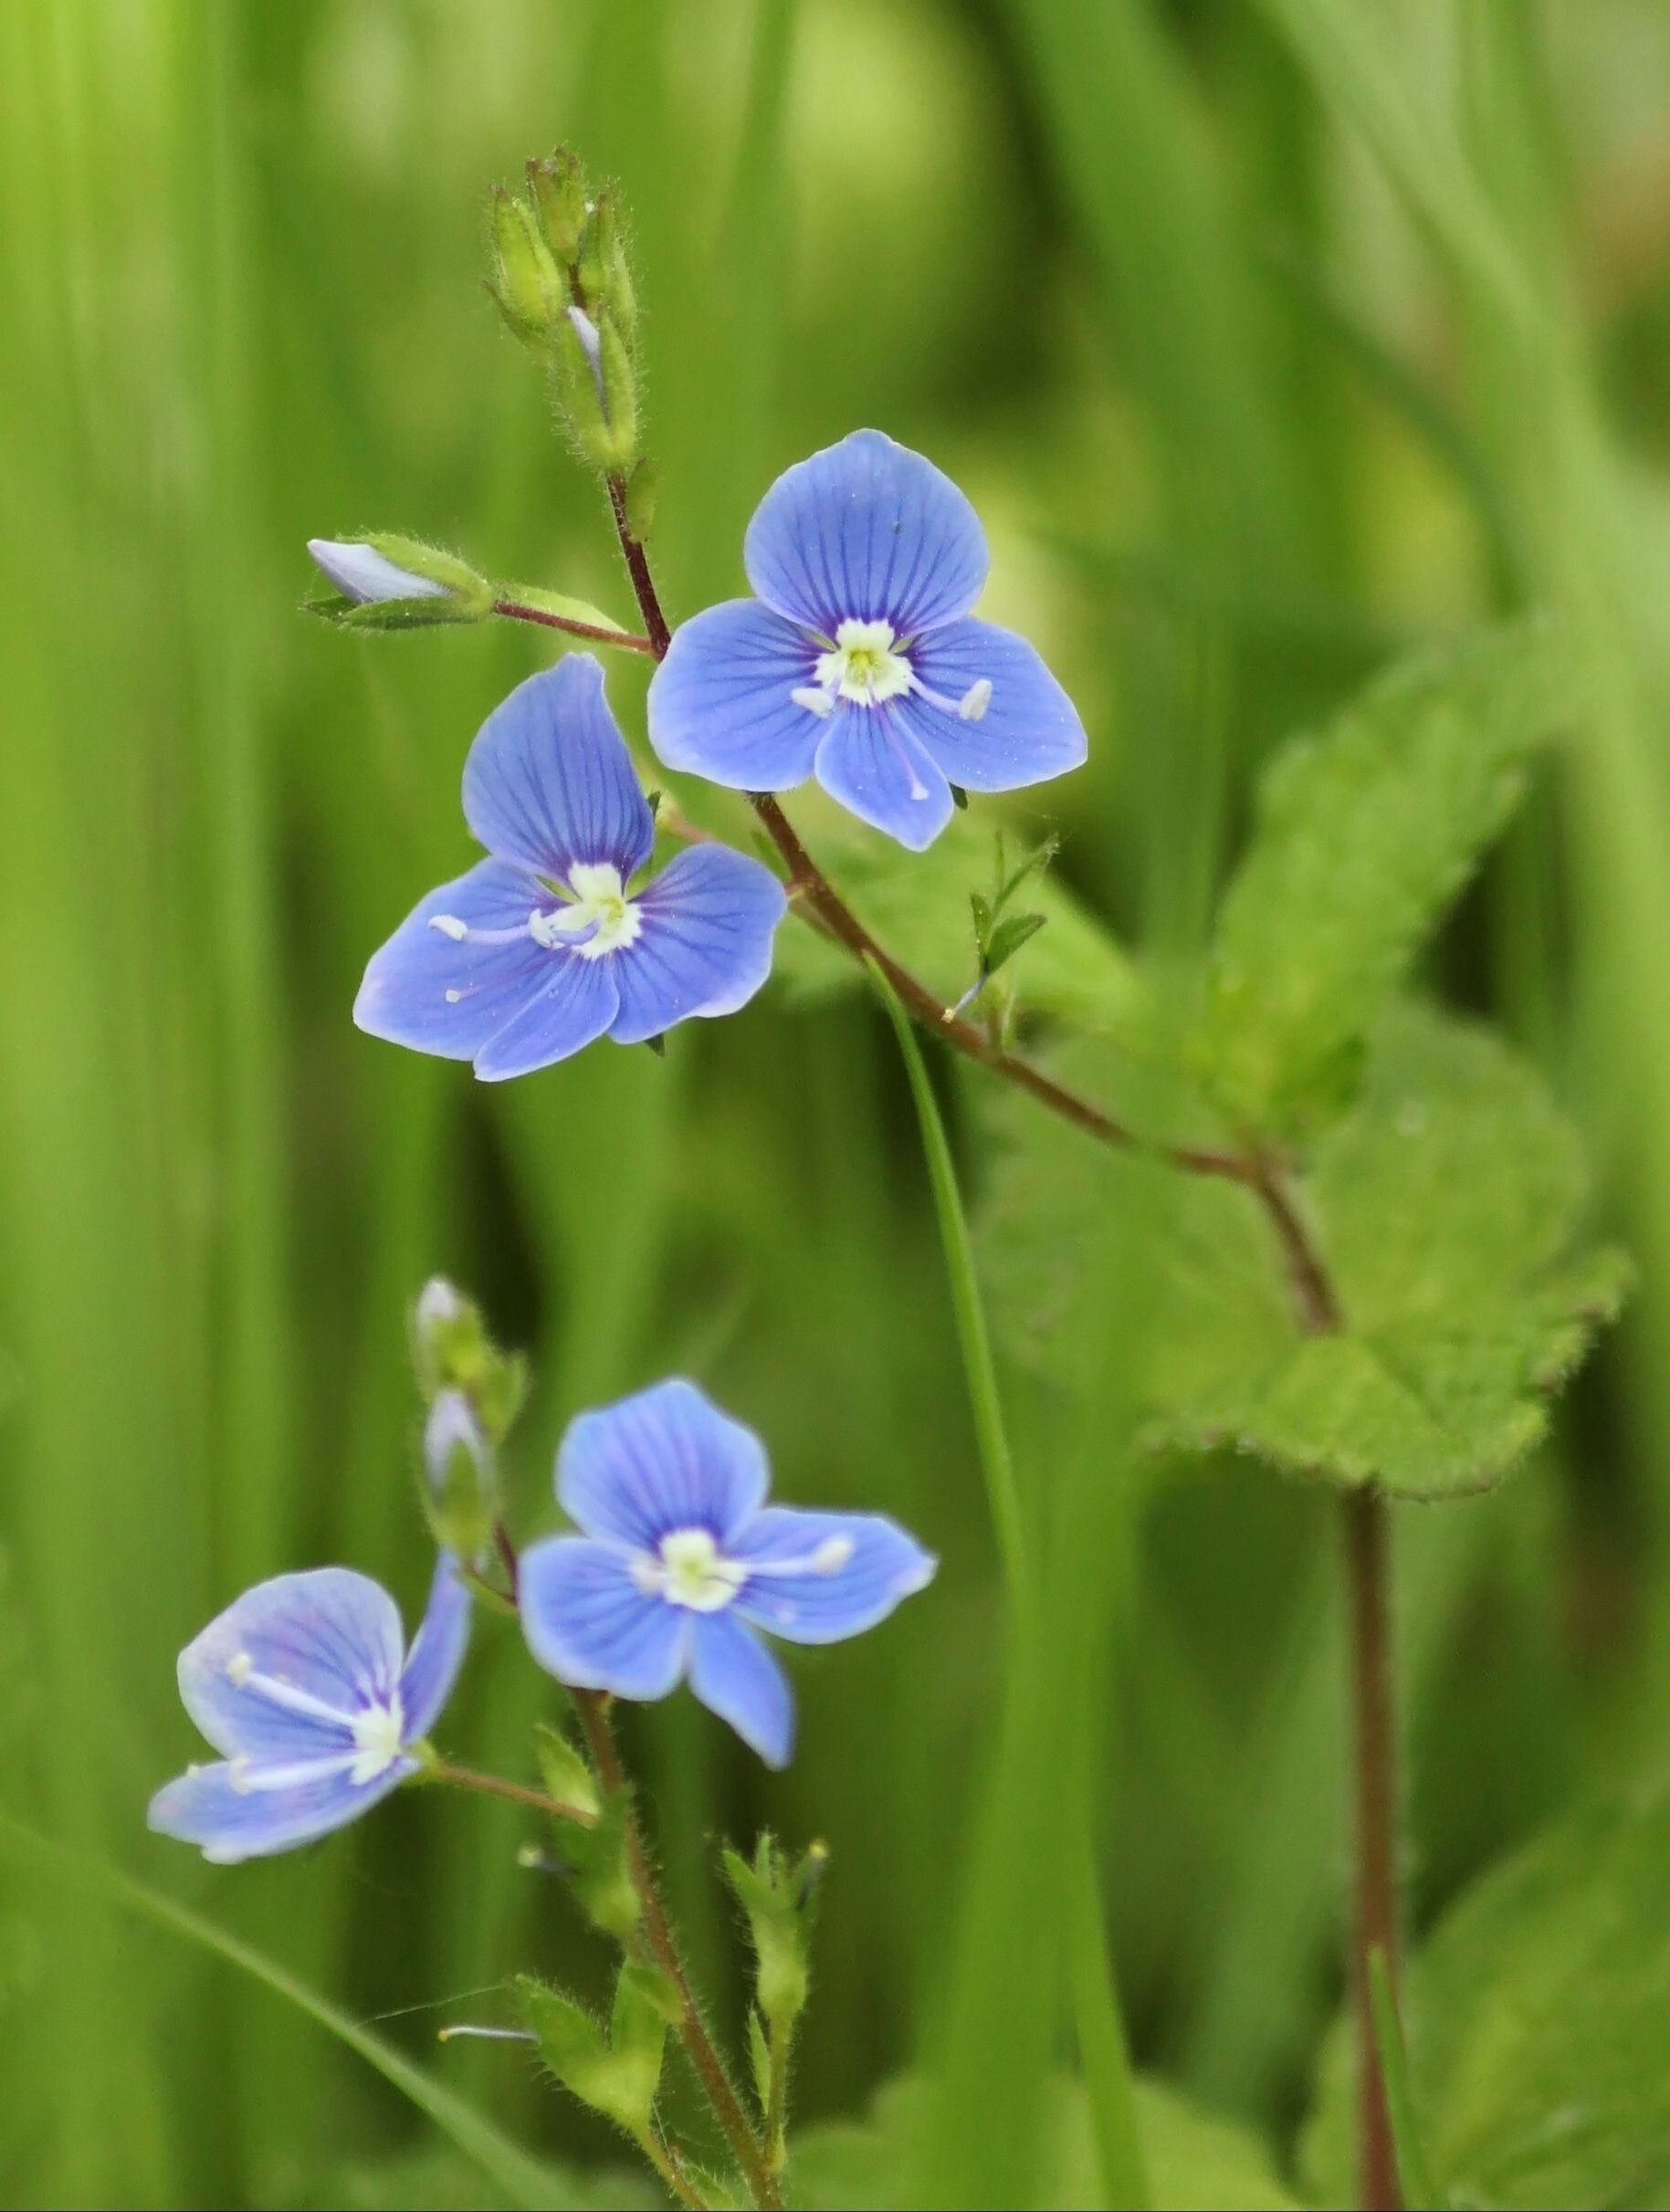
(704, 2053)
(779, 2040)
(671, 2173)
(517, 610)
(1421, 2191)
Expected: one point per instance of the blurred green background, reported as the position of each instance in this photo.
(1269, 340)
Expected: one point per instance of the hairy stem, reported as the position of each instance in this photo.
(515, 610)
(672, 2176)
(496, 1785)
(1374, 1917)
(704, 2055)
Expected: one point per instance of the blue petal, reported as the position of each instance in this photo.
(437, 1649)
(203, 1807)
(705, 947)
(865, 531)
(548, 780)
(588, 1623)
(576, 1003)
(1030, 730)
(404, 997)
(330, 1636)
(735, 1676)
(870, 761)
(816, 1578)
(720, 704)
(664, 1459)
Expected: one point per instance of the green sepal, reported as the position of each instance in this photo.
(618, 451)
(1009, 937)
(759, 2058)
(980, 906)
(557, 188)
(565, 1771)
(526, 282)
(605, 261)
(618, 2074)
(779, 1906)
(461, 1506)
(425, 613)
(602, 1863)
(467, 597)
(564, 607)
(578, 388)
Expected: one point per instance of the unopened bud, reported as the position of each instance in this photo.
(559, 195)
(620, 392)
(449, 1340)
(609, 263)
(526, 282)
(461, 1488)
(387, 583)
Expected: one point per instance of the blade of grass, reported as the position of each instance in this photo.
(975, 2051)
(1421, 2193)
(522, 2179)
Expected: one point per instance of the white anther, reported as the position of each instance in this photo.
(831, 1555)
(975, 701)
(239, 1668)
(453, 997)
(813, 700)
(450, 926)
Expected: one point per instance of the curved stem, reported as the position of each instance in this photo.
(709, 2067)
(496, 1785)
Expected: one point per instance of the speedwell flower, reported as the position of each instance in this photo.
(858, 661)
(306, 1689)
(544, 947)
(681, 1560)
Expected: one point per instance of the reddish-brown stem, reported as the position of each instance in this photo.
(628, 640)
(709, 2067)
(1366, 1525)
(495, 1786)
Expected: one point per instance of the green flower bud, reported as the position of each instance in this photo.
(596, 388)
(526, 281)
(453, 1351)
(387, 583)
(461, 1487)
(610, 287)
(778, 1899)
(558, 190)
(620, 388)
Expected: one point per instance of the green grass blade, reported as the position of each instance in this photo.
(521, 2178)
(1421, 2193)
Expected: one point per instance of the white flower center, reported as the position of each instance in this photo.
(600, 905)
(864, 667)
(377, 1735)
(688, 1569)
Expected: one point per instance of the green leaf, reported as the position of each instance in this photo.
(1445, 1206)
(1365, 834)
(1009, 937)
(524, 2181)
(616, 2074)
(1537, 2026)
(565, 608)
(1193, 2159)
(917, 904)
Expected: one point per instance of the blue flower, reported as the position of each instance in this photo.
(681, 1560)
(306, 1688)
(859, 662)
(542, 948)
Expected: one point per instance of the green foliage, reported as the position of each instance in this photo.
(1445, 1206)
(616, 2072)
(779, 1902)
(566, 1773)
(1365, 834)
(1194, 2160)
(1537, 2025)
(599, 1862)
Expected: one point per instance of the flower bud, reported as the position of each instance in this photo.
(448, 1339)
(526, 281)
(592, 379)
(388, 582)
(558, 188)
(606, 266)
(461, 1488)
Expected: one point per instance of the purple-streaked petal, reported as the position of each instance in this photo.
(548, 780)
(232, 1822)
(870, 761)
(437, 1650)
(437, 993)
(664, 1459)
(574, 1003)
(330, 1640)
(1030, 729)
(869, 531)
(815, 1578)
(588, 1623)
(735, 1676)
(705, 947)
(720, 703)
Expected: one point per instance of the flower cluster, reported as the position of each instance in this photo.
(306, 1688)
